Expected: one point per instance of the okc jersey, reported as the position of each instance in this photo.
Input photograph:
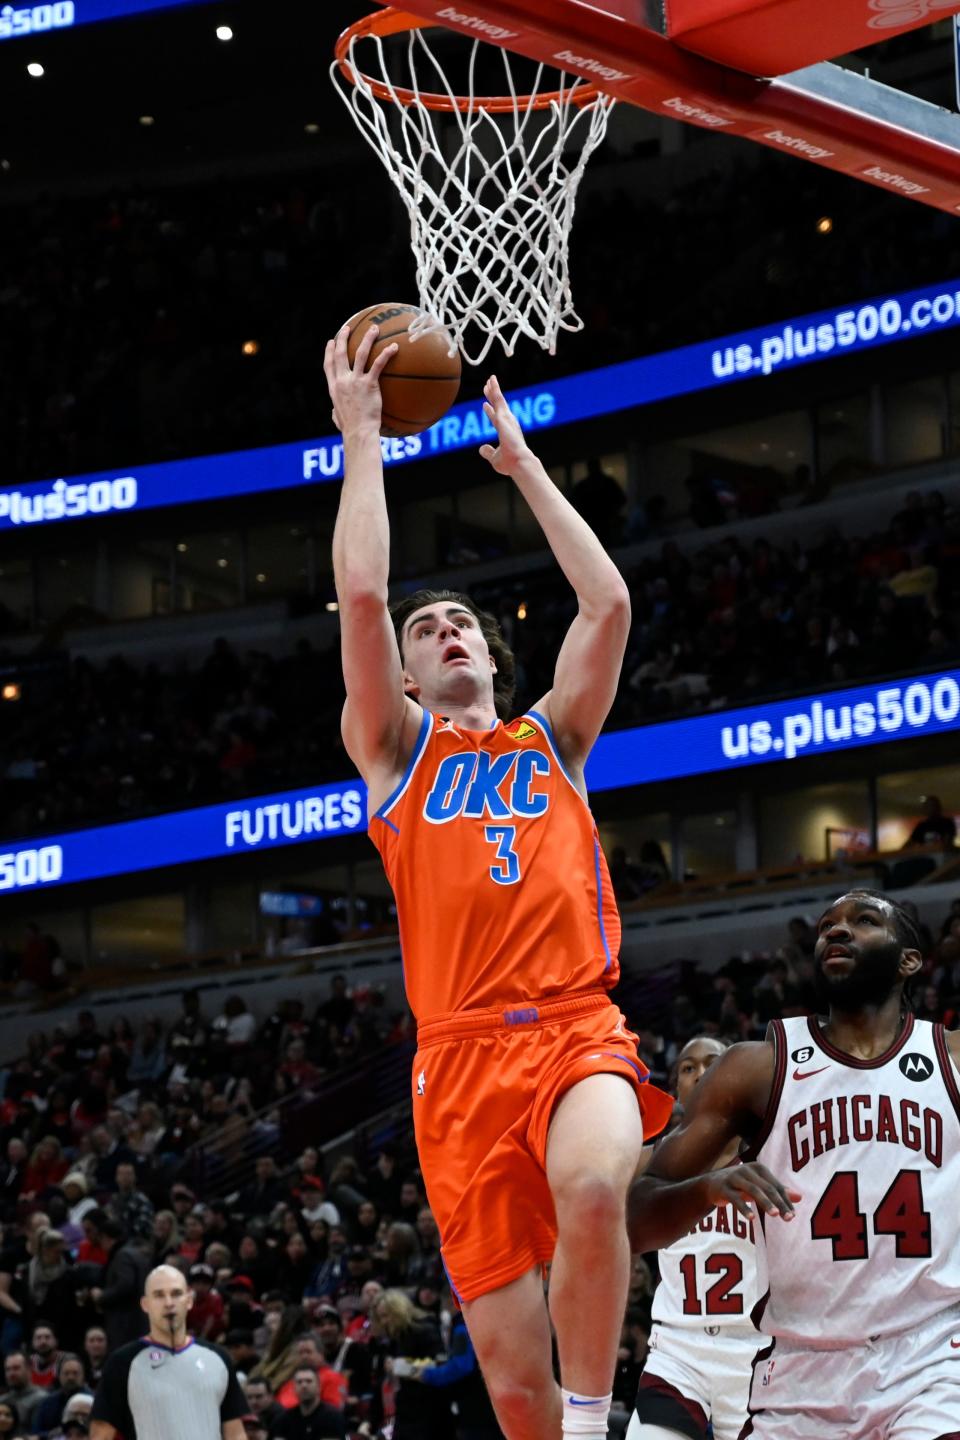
(874, 1148)
(709, 1277)
(502, 890)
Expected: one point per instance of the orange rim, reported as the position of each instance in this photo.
(394, 22)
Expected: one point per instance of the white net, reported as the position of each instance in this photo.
(490, 196)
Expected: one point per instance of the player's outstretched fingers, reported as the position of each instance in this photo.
(364, 348)
(383, 360)
(328, 360)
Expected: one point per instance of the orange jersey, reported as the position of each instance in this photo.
(502, 889)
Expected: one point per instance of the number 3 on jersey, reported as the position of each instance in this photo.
(506, 869)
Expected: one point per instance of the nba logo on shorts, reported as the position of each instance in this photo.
(768, 1373)
(421, 1082)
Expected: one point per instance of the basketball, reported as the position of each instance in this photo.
(420, 382)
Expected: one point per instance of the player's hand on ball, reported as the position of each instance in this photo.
(512, 449)
(355, 390)
(752, 1188)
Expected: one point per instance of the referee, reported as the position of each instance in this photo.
(168, 1385)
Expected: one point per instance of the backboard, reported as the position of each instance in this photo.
(753, 68)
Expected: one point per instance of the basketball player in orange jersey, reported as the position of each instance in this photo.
(861, 1111)
(529, 1100)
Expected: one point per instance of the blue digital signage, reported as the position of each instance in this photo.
(22, 20)
(767, 350)
(781, 730)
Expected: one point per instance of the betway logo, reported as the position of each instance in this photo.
(794, 142)
(694, 112)
(474, 22)
(895, 181)
(593, 67)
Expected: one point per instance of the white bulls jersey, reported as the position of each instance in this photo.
(874, 1148)
(709, 1277)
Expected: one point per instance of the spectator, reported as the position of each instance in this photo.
(242, 1351)
(278, 1364)
(412, 1200)
(267, 1190)
(205, 1317)
(75, 1424)
(166, 1236)
(344, 1356)
(84, 1046)
(406, 1333)
(9, 1421)
(45, 1169)
(44, 1356)
(110, 1154)
(76, 1191)
(935, 828)
(123, 1279)
(259, 1393)
(47, 1283)
(21, 1391)
(12, 1176)
(194, 1238)
(94, 1248)
(95, 1354)
(403, 1264)
(132, 1210)
(383, 1184)
(148, 1059)
(310, 1419)
(294, 1268)
(307, 1350)
(14, 1298)
(71, 1380)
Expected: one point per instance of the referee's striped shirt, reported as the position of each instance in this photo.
(150, 1392)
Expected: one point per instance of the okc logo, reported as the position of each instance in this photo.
(893, 13)
(470, 783)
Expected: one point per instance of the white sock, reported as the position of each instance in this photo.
(585, 1416)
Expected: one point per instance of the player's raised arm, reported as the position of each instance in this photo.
(680, 1185)
(588, 666)
(375, 709)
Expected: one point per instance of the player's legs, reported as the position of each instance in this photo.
(593, 1148)
(510, 1331)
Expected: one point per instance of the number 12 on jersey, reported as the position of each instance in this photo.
(506, 867)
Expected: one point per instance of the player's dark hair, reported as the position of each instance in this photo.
(907, 930)
(505, 680)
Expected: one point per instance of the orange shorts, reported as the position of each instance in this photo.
(485, 1086)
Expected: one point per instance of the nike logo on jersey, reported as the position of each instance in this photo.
(805, 1074)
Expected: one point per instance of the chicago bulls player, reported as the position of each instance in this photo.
(530, 1103)
(703, 1341)
(861, 1111)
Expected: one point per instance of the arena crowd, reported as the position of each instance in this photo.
(149, 1144)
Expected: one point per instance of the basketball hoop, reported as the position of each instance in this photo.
(490, 193)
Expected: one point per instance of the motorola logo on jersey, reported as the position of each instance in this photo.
(478, 785)
(916, 1067)
(801, 1056)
